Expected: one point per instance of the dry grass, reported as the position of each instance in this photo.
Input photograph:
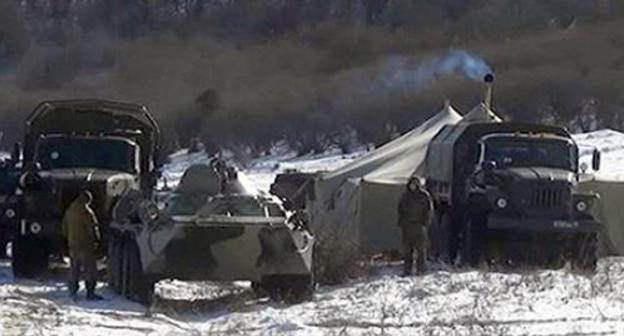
(337, 256)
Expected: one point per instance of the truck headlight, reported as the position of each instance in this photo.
(9, 213)
(501, 203)
(35, 228)
(581, 206)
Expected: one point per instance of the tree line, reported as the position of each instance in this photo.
(248, 73)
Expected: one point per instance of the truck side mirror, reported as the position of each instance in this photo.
(488, 165)
(596, 160)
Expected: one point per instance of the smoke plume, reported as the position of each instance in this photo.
(400, 74)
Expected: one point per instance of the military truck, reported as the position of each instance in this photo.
(507, 192)
(105, 147)
(9, 176)
(209, 228)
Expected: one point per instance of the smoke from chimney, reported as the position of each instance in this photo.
(399, 74)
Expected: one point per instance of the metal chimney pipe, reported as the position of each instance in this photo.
(489, 82)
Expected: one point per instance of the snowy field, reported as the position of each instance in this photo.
(611, 145)
(442, 302)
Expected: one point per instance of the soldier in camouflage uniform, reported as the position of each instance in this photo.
(80, 227)
(415, 208)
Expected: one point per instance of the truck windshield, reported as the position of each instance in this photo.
(102, 153)
(523, 152)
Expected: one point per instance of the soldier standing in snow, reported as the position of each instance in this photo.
(415, 208)
(80, 227)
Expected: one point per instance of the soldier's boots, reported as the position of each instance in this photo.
(91, 296)
(421, 264)
(94, 297)
(73, 289)
(407, 266)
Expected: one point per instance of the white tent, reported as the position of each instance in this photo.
(365, 193)
(481, 113)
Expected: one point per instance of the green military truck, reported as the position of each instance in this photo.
(103, 146)
(9, 175)
(507, 193)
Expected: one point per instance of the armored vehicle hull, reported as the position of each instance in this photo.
(201, 233)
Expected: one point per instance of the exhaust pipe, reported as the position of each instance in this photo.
(489, 83)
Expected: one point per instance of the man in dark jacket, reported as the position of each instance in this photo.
(415, 209)
(80, 227)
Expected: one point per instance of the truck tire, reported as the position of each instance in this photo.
(29, 257)
(586, 256)
(439, 237)
(140, 285)
(4, 240)
(474, 242)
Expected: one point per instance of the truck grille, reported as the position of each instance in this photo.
(547, 198)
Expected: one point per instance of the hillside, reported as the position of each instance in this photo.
(247, 74)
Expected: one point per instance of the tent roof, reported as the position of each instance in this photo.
(481, 113)
(397, 160)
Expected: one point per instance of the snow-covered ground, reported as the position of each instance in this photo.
(443, 302)
(458, 302)
(611, 145)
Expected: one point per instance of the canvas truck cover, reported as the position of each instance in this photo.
(609, 212)
(455, 143)
(93, 117)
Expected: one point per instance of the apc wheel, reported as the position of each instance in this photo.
(29, 257)
(289, 288)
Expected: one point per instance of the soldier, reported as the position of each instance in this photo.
(415, 210)
(80, 227)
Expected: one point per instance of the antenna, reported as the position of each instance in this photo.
(489, 82)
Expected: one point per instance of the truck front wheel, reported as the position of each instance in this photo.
(439, 237)
(29, 256)
(474, 240)
(585, 254)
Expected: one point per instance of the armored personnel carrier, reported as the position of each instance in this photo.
(209, 228)
(106, 147)
(507, 192)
